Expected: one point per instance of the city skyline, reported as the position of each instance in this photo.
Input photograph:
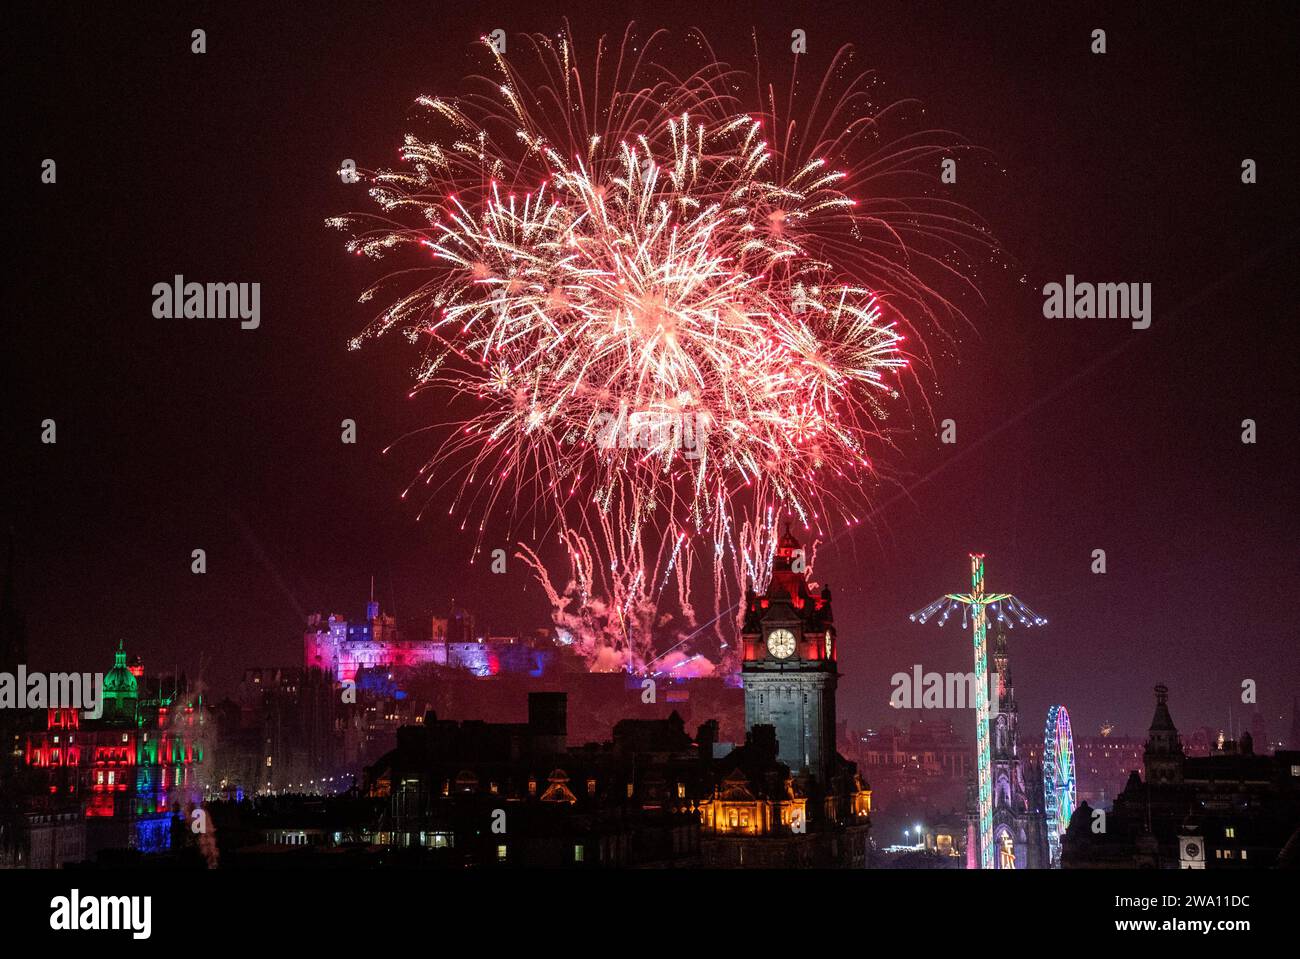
(525, 437)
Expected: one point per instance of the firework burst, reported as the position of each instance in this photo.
(667, 318)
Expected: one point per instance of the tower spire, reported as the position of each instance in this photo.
(1163, 756)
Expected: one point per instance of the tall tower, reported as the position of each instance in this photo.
(1018, 835)
(1163, 757)
(976, 606)
(789, 669)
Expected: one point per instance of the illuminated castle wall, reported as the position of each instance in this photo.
(342, 648)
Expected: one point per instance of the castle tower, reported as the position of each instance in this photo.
(1163, 757)
(788, 670)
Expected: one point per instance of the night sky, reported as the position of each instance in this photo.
(1073, 435)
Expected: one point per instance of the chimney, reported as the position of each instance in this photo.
(548, 721)
(706, 737)
(762, 740)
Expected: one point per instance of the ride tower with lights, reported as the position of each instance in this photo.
(975, 607)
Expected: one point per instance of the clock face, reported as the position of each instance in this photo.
(780, 643)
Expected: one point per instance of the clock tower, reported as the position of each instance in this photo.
(789, 669)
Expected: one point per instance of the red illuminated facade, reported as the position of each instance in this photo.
(141, 758)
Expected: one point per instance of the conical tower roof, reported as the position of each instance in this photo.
(1162, 721)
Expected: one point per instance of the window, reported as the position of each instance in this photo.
(501, 853)
(578, 853)
(1230, 832)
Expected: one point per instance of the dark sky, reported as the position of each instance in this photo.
(1073, 434)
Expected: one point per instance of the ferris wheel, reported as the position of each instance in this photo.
(1059, 788)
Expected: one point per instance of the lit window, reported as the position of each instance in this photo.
(501, 853)
(578, 853)
(1230, 832)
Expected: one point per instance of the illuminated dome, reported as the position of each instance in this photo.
(120, 687)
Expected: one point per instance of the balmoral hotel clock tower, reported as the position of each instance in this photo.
(789, 669)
